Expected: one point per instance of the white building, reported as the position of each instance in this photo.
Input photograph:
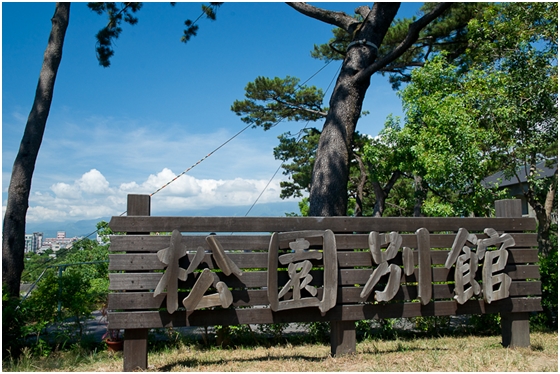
(33, 242)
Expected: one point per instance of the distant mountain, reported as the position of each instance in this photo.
(87, 227)
(72, 229)
(263, 210)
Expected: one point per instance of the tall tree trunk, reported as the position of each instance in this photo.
(382, 193)
(359, 208)
(13, 239)
(328, 195)
(543, 211)
(420, 194)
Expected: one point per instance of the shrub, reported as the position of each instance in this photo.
(14, 320)
(548, 267)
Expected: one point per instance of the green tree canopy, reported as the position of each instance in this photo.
(501, 114)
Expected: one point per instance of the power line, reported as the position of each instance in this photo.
(230, 139)
(300, 134)
(199, 161)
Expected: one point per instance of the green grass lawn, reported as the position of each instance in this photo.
(446, 353)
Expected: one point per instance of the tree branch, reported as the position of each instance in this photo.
(339, 19)
(412, 36)
(299, 107)
(394, 68)
(394, 178)
(363, 11)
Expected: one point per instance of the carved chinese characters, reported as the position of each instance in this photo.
(299, 266)
(170, 256)
(491, 267)
(393, 241)
(467, 265)
(424, 266)
(302, 269)
(196, 299)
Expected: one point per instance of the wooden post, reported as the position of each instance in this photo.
(135, 354)
(515, 326)
(138, 205)
(343, 338)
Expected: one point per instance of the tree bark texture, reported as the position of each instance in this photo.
(382, 193)
(543, 210)
(360, 186)
(13, 238)
(420, 195)
(328, 194)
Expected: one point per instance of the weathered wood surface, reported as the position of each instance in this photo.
(158, 319)
(229, 272)
(345, 295)
(336, 224)
(152, 243)
(256, 279)
(515, 325)
(343, 338)
(259, 260)
(135, 349)
(244, 252)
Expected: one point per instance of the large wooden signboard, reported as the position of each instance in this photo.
(210, 270)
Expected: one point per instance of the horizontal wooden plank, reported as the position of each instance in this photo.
(345, 295)
(258, 279)
(153, 243)
(251, 260)
(158, 319)
(438, 257)
(336, 224)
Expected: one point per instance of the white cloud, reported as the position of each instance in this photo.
(93, 182)
(66, 191)
(45, 214)
(91, 196)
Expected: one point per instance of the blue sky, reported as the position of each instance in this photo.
(161, 107)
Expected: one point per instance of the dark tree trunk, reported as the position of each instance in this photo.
(328, 194)
(543, 211)
(382, 193)
(13, 238)
(359, 209)
(420, 194)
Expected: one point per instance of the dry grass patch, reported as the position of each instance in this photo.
(417, 355)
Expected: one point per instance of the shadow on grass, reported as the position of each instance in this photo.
(248, 341)
(194, 363)
(402, 348)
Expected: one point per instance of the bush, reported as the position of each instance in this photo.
(548, 267)
(13, 325)
(485, 323)
(318, 331)
(432, 324)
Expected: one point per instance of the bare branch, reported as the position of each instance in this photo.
(412, 36)
(300, 107)
(394, 68)
(363, 11)
(339, 19)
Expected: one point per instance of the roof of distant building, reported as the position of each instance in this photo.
(543, 172)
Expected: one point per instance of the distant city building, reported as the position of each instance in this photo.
(33, 242)
(56, 244)
(29, 243)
